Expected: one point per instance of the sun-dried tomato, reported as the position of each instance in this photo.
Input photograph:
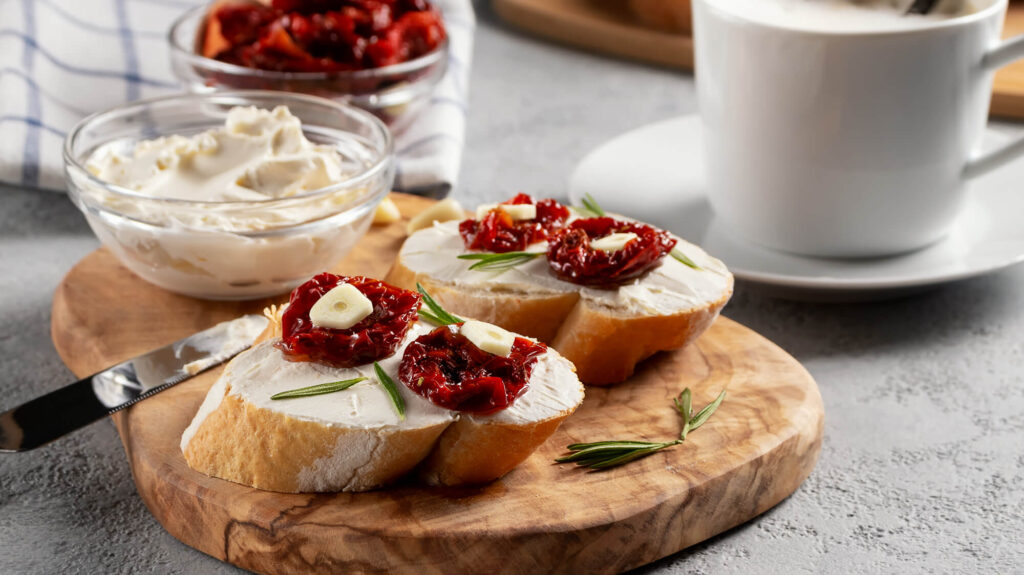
(374, 338)
(326, 35)
(573, 259)
(497, 232)
(450, 371)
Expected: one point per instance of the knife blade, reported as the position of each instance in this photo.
(72, 407)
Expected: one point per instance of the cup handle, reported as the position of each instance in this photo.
(1004, 53)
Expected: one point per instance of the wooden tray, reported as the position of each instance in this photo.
(760, 445)
(607, 26)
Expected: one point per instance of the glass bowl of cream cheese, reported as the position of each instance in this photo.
(229, 195)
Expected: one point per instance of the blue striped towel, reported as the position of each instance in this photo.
(61, 60)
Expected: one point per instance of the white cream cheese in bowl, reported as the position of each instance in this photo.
(229, 195)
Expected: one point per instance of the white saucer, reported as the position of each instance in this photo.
(656, 174)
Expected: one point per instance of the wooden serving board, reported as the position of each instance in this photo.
(607, 26)
(542, 517)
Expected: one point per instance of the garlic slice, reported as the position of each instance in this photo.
(489, 338)
(341, 308)
(442, 211)
(386, 213)
(613, 242)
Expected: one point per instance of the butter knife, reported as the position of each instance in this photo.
(60, 412)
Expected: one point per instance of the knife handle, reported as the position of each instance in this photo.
(50, 416)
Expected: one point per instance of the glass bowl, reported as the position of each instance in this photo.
(231, 250)
(388, 92)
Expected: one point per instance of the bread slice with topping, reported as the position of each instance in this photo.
(354, 440)
(480, 448)
(604, 332)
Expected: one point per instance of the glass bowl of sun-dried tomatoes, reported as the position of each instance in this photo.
(384, 56)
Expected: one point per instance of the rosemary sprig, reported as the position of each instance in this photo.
(606, 454)
(499, 262)
(392, 389)
(685, 409)
(318, 389)
(683, 259)
(591, 205)
(436, 314)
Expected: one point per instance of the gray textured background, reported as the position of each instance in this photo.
(922, 468)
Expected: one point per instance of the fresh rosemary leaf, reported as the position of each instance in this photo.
(318, 389)
(431, 317)
(499, 262)
(437, 314)
(630, 456)
(592, 206)
(603, 449)
(579, 446)
(606, 454)
(583, 212)
(685, 408)
(703, 415)
(392, 389)
(683, 259)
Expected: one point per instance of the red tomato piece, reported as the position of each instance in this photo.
(450, 371)
(572, 259)
(324, 35)
(375, 337)
(499, 233)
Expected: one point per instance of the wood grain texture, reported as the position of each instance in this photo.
(1008, 89)
(760, 445)
(606, 26)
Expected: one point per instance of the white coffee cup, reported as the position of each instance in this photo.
(846, 144)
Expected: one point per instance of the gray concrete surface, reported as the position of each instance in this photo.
(922, 469)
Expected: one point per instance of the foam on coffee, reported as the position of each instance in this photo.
(845, 15)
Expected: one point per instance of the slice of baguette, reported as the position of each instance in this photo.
(604, 333)
(353, 440)
(479, 448)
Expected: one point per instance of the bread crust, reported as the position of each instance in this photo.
(531, 315)
(270, 450)
(606, 347)
(235, 439)
(473, 451)
(604, 344)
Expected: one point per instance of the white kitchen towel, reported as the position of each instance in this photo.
(61, 60)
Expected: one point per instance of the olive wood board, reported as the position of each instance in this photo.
(542, 517)
(608, 27)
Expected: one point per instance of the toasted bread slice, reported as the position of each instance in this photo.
(603, 332)
(478, 448)
(353, 440)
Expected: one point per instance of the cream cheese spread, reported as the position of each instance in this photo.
(670, 288)
(260, 374)
(257, 155)
(257, 374)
